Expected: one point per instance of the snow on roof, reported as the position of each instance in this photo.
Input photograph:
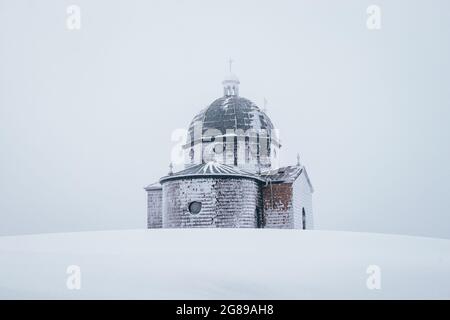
(211, 169)
(153, 186)
(284, 174)
(232, 112)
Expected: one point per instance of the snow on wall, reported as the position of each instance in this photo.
(226, 202)
(302, 198)
(278, 207)
(154, 208)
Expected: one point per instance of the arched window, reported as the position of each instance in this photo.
(247, 149)
(303, 219)
(235, 151)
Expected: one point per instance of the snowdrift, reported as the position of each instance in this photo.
(223, 264)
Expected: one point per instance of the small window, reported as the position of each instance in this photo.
(218, 148)
(195, 207)
(303, 219)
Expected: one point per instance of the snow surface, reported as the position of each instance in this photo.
(223, 264)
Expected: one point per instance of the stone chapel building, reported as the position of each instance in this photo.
(230, 179)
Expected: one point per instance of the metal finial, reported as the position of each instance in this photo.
(298, 159)
(170, 169)
(265, 105)
(231, 63)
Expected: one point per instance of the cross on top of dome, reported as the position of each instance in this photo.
(231, 83)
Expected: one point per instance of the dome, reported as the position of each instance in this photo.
(232, 112)
(232, 130)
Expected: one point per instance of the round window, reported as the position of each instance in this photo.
(219, 148)
(195, 207)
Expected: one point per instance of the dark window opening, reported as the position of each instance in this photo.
(303, 219)
(259, 223)
(247, 150)
(258, 149)
(195, 207)
(235, 151)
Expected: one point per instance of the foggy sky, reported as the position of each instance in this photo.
(86, 116)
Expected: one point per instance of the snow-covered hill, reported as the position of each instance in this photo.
(223, 264)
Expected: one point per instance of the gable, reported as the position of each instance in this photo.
(288, 174)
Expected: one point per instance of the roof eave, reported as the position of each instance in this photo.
(209, 175)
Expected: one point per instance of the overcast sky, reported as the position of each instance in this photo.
(86, 115)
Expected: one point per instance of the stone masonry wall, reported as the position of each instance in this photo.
(226, 203)
(154, 208)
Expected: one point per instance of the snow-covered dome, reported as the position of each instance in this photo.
(231, 112)
(232, 130)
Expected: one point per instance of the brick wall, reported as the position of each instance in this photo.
(278, 207)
